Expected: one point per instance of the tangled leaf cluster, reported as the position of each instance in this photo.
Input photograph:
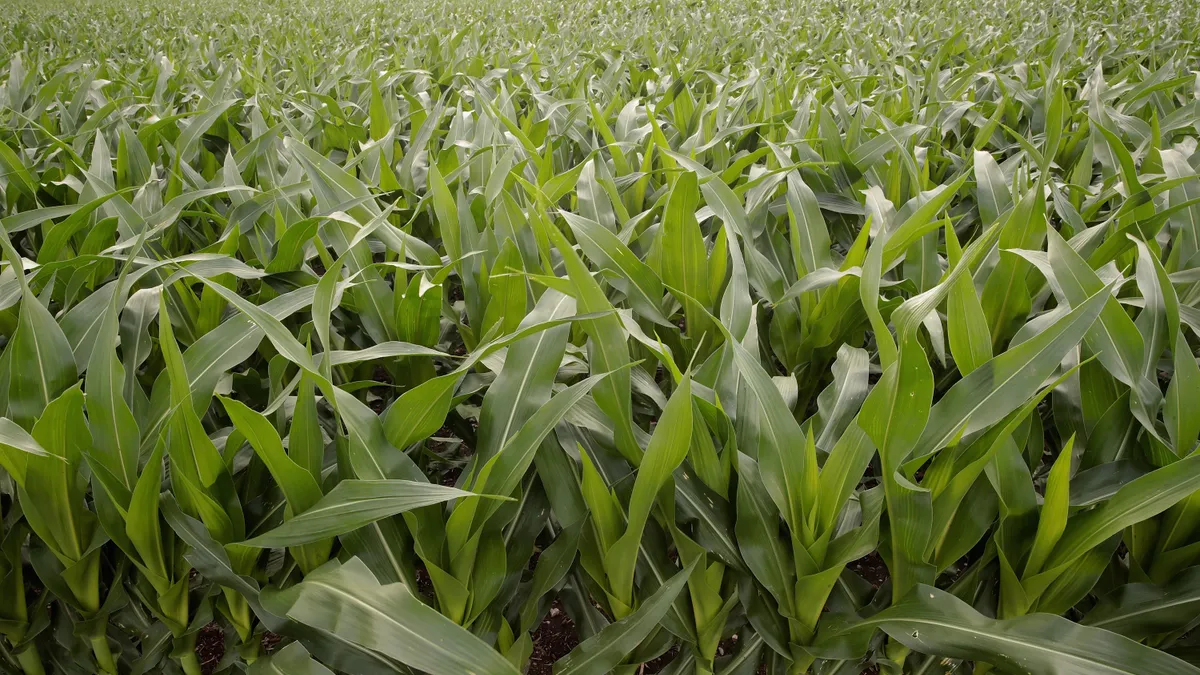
(829, 336)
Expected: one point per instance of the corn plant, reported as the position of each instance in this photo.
(713, 338)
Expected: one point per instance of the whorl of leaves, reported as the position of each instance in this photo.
(741, 337)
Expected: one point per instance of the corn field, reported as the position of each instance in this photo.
(607, 336)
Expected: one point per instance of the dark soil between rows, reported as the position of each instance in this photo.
(210, 648)
(872, 568)
(552, 640)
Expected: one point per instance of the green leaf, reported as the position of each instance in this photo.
(967, 327)
(293, 659)
(351, 504)
(1053, 517)
(991, 188)
(1181, 411)
(607, 349)
(1115, 339)
(684, 260)
(895, 411)
(503, 473)
(523, 385)
(632, 276)
(142, 524)
(603, 651)
(306, 445)
(346, 600)
(14, 442)
(1138, 500)
(447, 213)
(299, 486)
(1002, 384)
(921, 222)
(810, 236)
(932, 621)
(1139, 610)
(420, 411)
(1006, 297)
(59, 515)
(41, 363)
(115, 433)
(667, 450)
(758, 535)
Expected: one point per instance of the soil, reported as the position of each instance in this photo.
(210, 647)
(552, 640)
(270, 642)
(450, 476)
(424, 583)
(872, 568)
(727, 646)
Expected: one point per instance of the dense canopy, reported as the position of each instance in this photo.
(622, 336)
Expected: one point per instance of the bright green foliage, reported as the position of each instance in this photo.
(767, 336)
